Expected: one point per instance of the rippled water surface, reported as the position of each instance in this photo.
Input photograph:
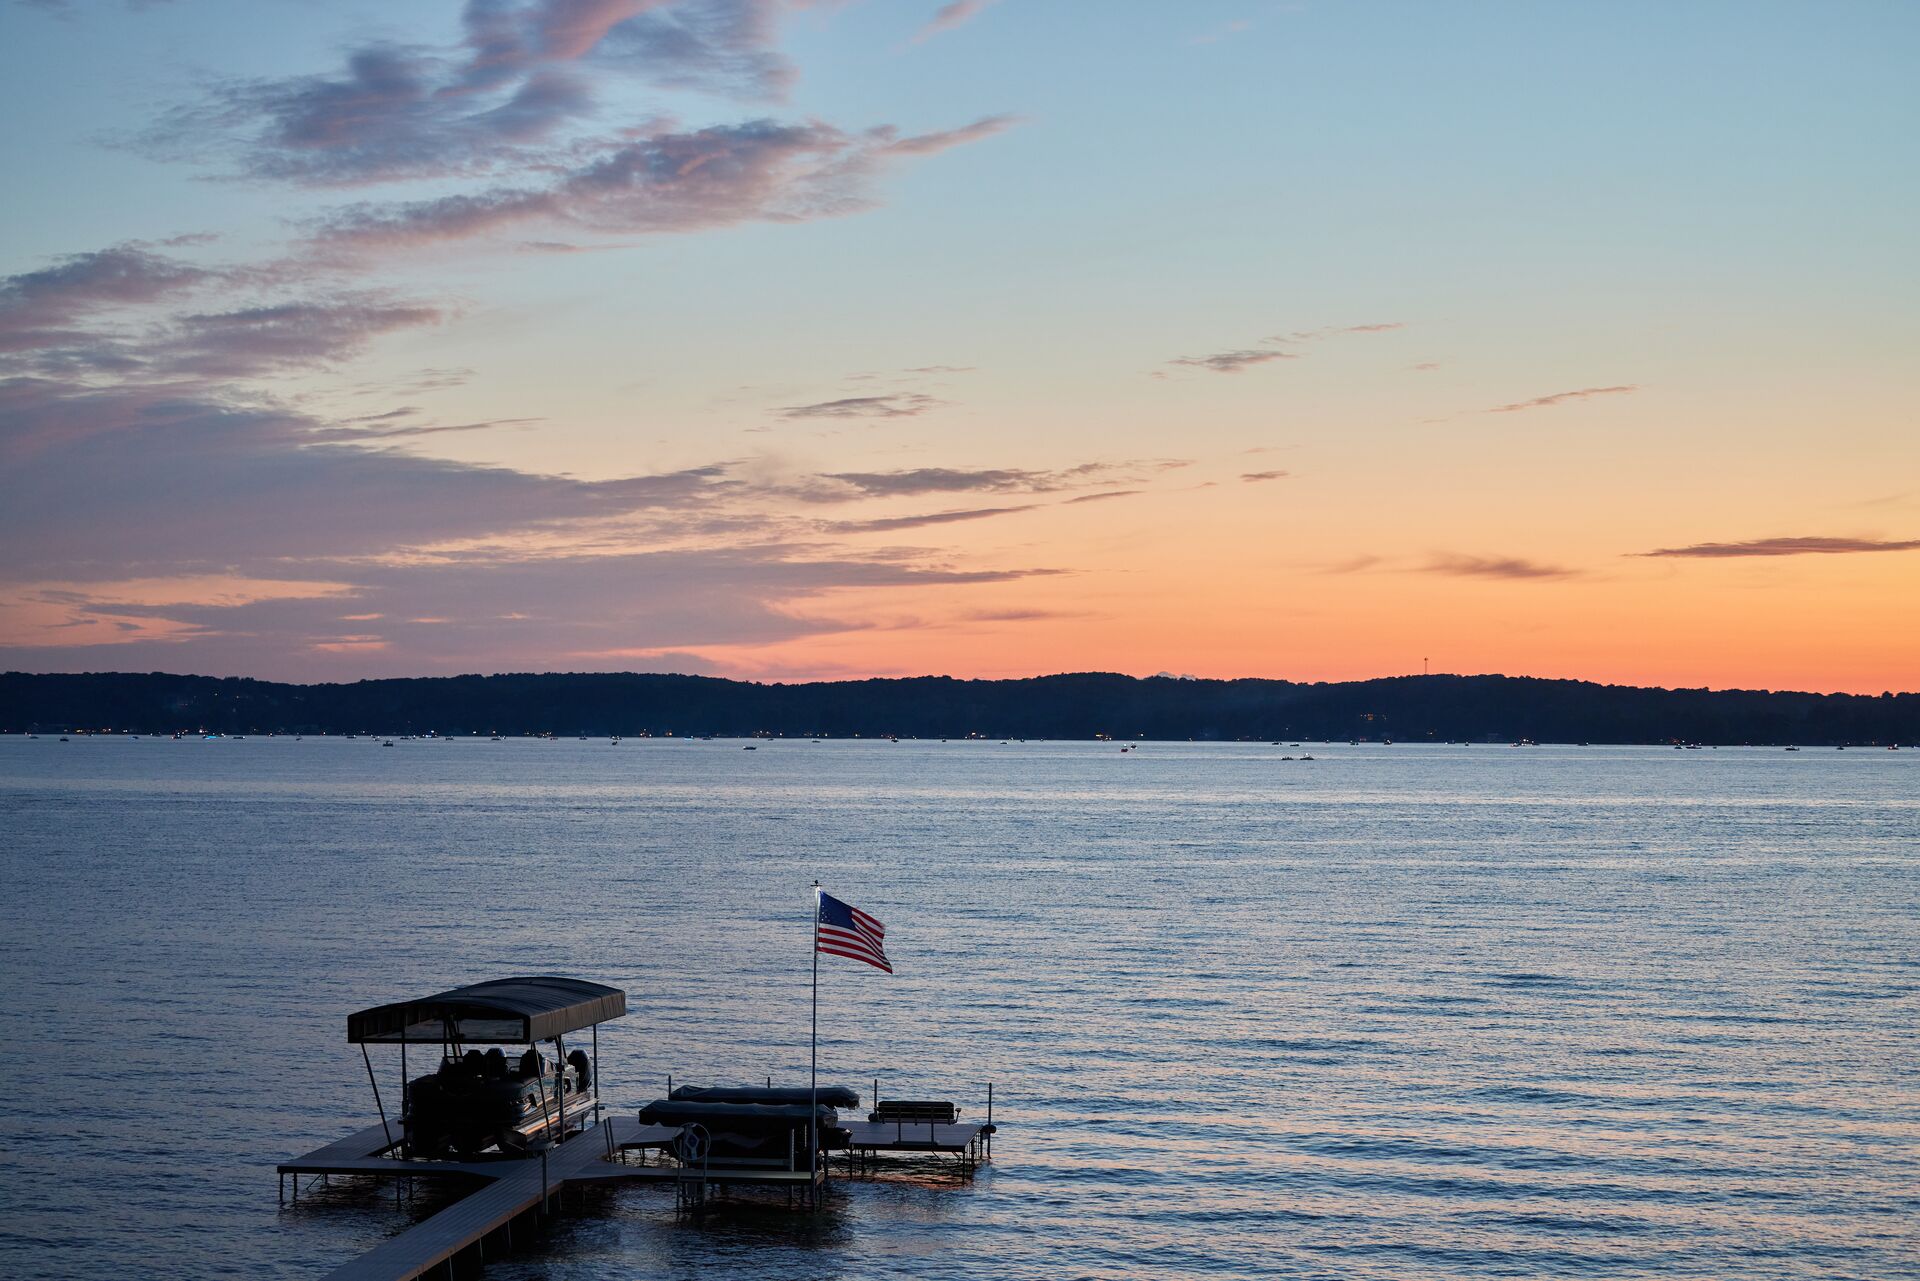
(1396, 1012)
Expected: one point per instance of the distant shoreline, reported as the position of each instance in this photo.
(1079, 706)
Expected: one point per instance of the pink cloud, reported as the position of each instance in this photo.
(1561, 397)
(955, 13)
(664, 182)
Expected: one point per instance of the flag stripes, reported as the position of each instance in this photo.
(844, 930)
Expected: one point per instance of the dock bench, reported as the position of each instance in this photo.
(913, 1112)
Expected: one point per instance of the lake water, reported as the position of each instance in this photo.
(1395, 1012)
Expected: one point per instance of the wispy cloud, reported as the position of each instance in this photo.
(664, 181)
(1335, 331)
(1508, 567)
(937, 480)
(1102, 497)
(1233, 362)
(38, 308)
(955, 13)
(1264, 475)
(1019, 615)
(1561, 397)
(524, 72)
(886, 524)
(256, 339)
(903, 405)
(1802, 546)
(1241, 359)
(364, 434)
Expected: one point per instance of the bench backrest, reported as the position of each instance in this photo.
(922, 1111)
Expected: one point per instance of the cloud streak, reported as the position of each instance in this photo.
(669, 181)
(1802, 546)
(1562, 397)
(903, 405)
(1233, 362)
(887, 524)
(995, 480)
(955, 13)
(1514, 568)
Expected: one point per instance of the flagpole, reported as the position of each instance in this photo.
(813, 1068)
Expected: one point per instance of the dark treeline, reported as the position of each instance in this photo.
(1078, 706)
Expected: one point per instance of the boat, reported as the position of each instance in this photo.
(475, 1099)
(775, 1125)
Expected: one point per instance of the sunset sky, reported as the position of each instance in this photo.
(791, 340)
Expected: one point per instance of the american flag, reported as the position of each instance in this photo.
(844, 930)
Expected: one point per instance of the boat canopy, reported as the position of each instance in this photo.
(832, 1096)
(516, 1011)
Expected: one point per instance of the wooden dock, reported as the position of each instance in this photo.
(968, 1144)
(456, 1241)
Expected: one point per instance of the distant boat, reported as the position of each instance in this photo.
(388, 743)
(749, 748)
(1793, 749)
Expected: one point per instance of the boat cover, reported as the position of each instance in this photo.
(736, 1115)
(515, 1011)
(833, 1096)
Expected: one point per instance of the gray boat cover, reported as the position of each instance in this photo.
(515, 1011)
(735, 1115)
(833, 1096)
